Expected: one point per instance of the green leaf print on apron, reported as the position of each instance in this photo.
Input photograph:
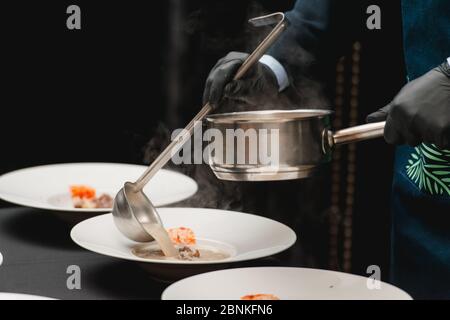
(429, 168)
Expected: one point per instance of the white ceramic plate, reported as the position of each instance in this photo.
(243, 236)
(47, 187)
(285, 283)
(19, 296)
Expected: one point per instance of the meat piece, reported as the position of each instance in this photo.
(80, 203)
(187, 253)
(104, 201)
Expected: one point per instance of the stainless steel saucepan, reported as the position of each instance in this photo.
(302, 139)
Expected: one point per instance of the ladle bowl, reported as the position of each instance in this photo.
(132, 208)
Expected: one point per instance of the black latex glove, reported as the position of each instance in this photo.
(258, 86)
(420, 112)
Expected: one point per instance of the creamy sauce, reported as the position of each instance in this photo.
(161, 236)
(152, 251)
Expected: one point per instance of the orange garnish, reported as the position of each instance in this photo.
(260, 296)
(182, 235)
(82, 192)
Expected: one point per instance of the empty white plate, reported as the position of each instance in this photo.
(284, 283)
(47, 187)
(243, 236)
(20, 296)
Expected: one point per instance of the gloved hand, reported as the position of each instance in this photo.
(258, 86)
(420, 112)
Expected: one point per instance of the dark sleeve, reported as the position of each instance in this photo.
(320, 31)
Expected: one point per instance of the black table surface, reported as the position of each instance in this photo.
(37, 251)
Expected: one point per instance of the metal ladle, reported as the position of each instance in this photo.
(132, 208)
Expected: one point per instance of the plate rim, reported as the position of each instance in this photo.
(51, 207)
(24, 295)
(407, 296)
(292, 241)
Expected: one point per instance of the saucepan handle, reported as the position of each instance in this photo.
(354, 134)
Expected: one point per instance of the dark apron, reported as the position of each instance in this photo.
(421, 198)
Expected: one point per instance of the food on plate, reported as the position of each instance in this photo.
(104, 201)
(185, 242)
(85, 197)
(188, 253)
(260, 296)
(182, 235)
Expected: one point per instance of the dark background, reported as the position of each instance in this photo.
(136, 69)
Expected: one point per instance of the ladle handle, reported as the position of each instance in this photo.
(357, 133)
(181, 138)
(262, 48)
(173, 147)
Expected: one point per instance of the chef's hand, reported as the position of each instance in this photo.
(420, 112)
(259, 85)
